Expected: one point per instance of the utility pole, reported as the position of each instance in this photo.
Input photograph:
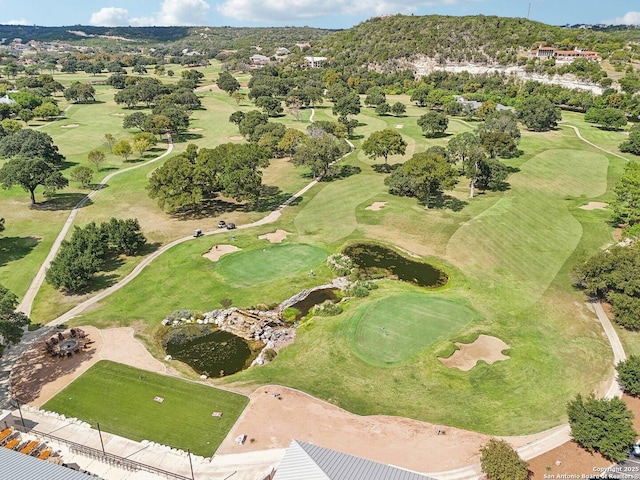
(100, 434)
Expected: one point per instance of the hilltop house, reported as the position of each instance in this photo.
(258, 59)
(565, 56)
(315, 62)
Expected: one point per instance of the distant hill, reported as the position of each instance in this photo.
(212, 39)
(455, 39)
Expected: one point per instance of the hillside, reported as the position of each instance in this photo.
(475, 39)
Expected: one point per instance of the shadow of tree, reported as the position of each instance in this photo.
(15, 248)
(344, 171)
(448, 202)
(207, 208)
(270, 198)
(385, 168)
(187, 137)
(61, 201)
(27, 380)
(147, 248)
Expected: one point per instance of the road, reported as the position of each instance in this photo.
(27, 301)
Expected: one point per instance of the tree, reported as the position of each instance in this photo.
(236, 117)
(176, 184)
(82, 174)
(318, 153)
(250, 122)
(134, 120)
(538, 113)
(629, 375)
(398, 109)
(123, 236)
(291, 139)
(486, 109)
(607, 118)
(423, 176)
(503, 121)
(46, 111)
(603, 425)
(29, 173)
(30, 143)
(461, 146)
(498, 144)
(346, 105)
(433, 123)
(96, 157)
(110, 140)
(80, 92)
(501, 462)
(384, 143)
(271, 106)
(632, 144)
(26, 115)
(626, 206)
(375, 96)
(227, 82)
(12, 323)
(383, 108)
(238, 97)
(10, 125)
(123, 149)
(420, 95)
(140, 145)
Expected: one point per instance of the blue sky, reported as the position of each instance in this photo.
(316, 13)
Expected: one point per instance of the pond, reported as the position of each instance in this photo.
(373, 260)
(215, 354)
(314, 298)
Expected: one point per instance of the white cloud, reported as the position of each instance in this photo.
(284, 10)
(20, 21)
(110, 17)
(172, 12)
(629, 18)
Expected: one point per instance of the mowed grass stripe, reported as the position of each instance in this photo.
(395, 328)
(121, 399)
(524, 239)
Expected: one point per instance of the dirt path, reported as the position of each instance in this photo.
(27, 301)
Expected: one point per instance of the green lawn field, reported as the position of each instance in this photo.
(121, 399)
(509, 255)
(395, 328)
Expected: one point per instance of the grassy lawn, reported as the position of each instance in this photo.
(395, 328)
(259, 266)
(122, 401)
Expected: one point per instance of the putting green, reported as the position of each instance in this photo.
(393, 329)
(274, 261)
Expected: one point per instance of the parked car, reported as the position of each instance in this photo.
(231, 226)
(222, 224)
(635, 450)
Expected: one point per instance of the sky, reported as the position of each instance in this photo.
(314, 13)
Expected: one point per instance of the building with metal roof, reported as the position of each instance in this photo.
(18, 466)
(310, 462)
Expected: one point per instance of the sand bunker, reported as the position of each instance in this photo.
(594, 206)
(219, 250)
(274, 237)
(118, 114)
(399, 126)
(236, 138)
(71, 125)
(375, 206)
(484, 348)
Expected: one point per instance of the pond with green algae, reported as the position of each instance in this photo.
(215, 354)
(373, 260)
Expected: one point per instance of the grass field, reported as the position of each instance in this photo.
(258, 266)
(509, 255)
(395, 328)
(121, 399)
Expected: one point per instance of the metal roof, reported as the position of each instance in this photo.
(18, 466)
(304, 460)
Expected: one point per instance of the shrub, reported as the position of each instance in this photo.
(290, 314)
(360, 288)
(269, 354)
(340, 264)
(327, 309)
(226, 302)
(177, 315)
